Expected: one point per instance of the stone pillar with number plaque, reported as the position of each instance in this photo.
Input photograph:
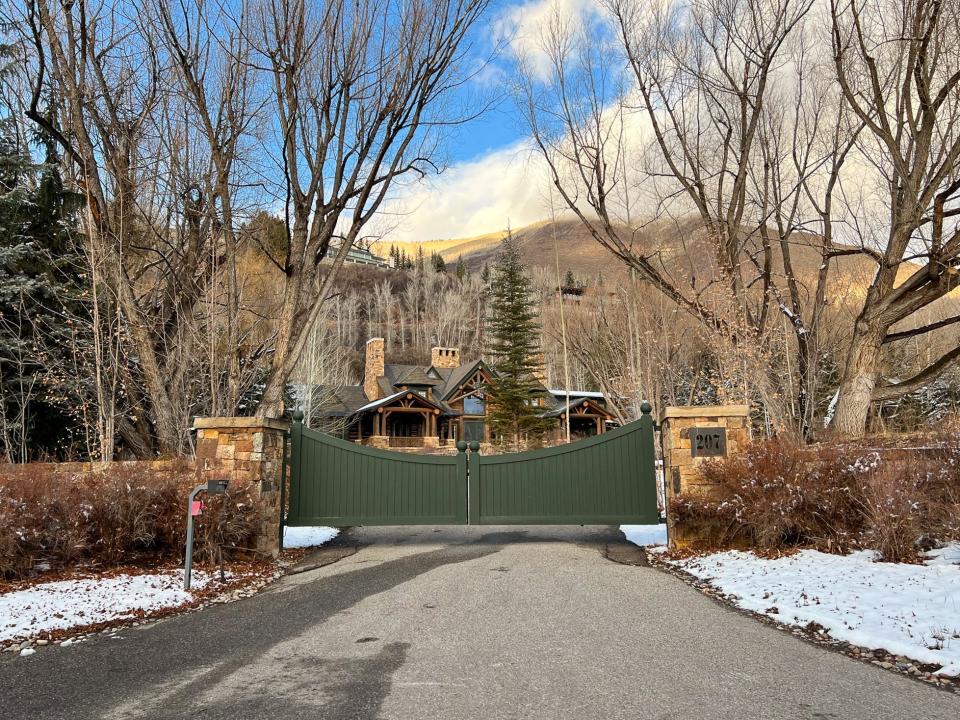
(691, 436)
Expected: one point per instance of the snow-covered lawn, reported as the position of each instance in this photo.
(644, 535)
(909, 610)
(64, 604)
(300, 537)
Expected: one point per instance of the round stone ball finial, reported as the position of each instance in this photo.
(474, 446)
(462, 445)
(646, 408)
(297, 416)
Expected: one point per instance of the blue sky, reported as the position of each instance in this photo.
(492, 178)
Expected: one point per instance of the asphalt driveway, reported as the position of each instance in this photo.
(463, 623)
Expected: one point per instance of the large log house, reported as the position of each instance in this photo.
(435, 405)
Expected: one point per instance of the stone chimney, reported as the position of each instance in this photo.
(540, 368)
(445, 358)
(373, 368)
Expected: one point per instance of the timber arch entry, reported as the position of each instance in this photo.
(607, 479)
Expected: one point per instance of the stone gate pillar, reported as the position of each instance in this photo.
(681, 429)
(246, 450)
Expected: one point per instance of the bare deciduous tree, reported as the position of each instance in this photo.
(216, 79)
(898, 64)
(158, 189)
(359, 91)
(692, 105)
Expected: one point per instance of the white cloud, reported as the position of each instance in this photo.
(508, 185)
(521, 27)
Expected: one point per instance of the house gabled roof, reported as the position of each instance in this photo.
(419, 376)
(341, 401)
(384, 401)
(459, 375)
(574, 404)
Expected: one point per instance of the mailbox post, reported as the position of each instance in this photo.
(211, 487)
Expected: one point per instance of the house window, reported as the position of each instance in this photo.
(473, 405)
(472, 430)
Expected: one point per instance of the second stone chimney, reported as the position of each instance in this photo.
(445, 358)
(373, 368)
(540, 368)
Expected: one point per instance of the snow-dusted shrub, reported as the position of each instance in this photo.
(117, 514)
(776, 495)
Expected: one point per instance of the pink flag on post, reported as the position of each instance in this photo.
(196, 507)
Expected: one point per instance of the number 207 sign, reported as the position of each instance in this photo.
(708, 442)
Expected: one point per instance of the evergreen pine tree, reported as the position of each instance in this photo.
(438, 263)
(485, 274)
(461, 269)
(514, 346)
(40, 287)
(569, 280)
(421, 265)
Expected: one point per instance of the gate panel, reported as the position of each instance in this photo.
(337, 483)
(607, 479)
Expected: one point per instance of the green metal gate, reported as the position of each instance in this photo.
(337, 483)
(606, 479)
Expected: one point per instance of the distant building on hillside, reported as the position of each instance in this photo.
(429, 406)
(359, 256)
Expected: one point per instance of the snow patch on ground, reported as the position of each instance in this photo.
(300, 537)
(947, 555)
(645, 535)
(70, 603)
(909, 610)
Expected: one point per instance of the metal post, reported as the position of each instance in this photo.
(212, 487)
(188, 560)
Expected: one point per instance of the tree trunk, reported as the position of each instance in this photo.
(272, 402)
(858, 380)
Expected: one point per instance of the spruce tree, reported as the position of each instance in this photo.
(461, 269)
(41, 281)
(438, 263)
(514, 348)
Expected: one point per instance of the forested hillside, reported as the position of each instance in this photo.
(623, 337)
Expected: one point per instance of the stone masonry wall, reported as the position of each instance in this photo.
(246, 450)
(681, 468)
